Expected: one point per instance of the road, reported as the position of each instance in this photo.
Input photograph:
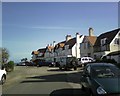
(48, 81)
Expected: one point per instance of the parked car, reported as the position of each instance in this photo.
(84, 60)
(52, 64)
(68, 63)
(2, 75)
(101, 79)
(40, 63)
(21, 64)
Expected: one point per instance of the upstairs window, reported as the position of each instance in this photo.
(117, 41)
(103, 41)
(67, 47)
(119, 35)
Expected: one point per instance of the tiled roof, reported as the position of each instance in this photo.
(109, 35)
(92, 39)
(60, 45)
(35, 52)
(71, 42)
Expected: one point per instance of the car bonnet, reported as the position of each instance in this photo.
(110, 85)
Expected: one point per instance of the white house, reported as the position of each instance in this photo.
(106, 43)
(69, 47)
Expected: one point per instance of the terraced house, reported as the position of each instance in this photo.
(87, 45)
(107, 43)
(69, 47)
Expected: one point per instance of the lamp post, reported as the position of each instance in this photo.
(54, 50)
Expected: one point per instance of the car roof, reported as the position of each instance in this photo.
(100, 64)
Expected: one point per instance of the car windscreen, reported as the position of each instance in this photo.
(105, 71)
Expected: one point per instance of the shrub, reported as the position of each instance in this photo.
(9, 66)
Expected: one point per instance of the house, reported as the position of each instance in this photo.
(34, 55)
(87, 45)
(49, 53)
(69, 47)
(106, 43)
(41, 53)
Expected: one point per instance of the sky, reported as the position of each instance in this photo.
(29, 26)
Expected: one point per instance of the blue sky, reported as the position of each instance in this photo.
(28, 26)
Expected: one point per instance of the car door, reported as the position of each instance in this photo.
(86, 77)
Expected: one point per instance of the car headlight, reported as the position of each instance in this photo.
(100, 90)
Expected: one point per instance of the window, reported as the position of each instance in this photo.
(103, 41)
(117, 41)
(119, 35)
(67, 47)
(88, 45)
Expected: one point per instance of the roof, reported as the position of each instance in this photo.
(42, 50)
(91, 39)
(60, 45)
(71, 42)
(109, 35)
(35, 52)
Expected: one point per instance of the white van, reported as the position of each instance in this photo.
(84, 60)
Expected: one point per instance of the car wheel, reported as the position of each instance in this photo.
(3, 79)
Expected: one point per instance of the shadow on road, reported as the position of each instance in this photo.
(61, 77)
(58, 70)
(69, 92)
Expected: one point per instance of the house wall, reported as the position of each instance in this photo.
(113, 46)
(101, 51)
(34, 57)
(76, 51)
(86, 50)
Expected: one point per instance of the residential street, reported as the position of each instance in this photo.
(48, 81)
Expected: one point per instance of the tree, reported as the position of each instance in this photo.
(9, 66)
(4, 55)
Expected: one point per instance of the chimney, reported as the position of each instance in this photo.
(91, 31)
(77, 37)
(53, 43)
(68, 37)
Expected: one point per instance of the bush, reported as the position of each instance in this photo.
(9, 66)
